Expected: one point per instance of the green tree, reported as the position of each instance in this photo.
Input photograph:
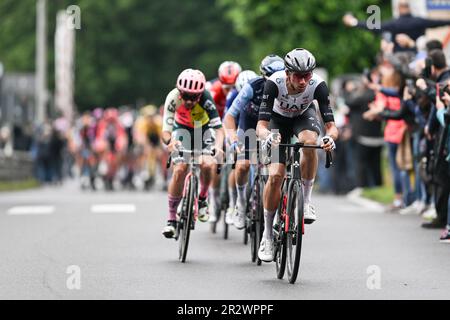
(280, 25)
(126, 49)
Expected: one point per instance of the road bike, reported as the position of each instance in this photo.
(255, 211)
(290, 227)
(188, 209)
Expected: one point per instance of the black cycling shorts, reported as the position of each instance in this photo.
(289, 127)
(190, 140)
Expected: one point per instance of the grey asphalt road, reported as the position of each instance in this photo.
(117, 252)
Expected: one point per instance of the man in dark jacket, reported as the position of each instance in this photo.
(406, 23)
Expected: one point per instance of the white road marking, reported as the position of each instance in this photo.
(31, 210)
(113, 208)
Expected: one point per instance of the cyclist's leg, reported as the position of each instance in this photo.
(207, 166)
(174, 197)
(277, 169)
(307, 129)
(208, 139)
(232, 192)
(247, 137)
(179, 173)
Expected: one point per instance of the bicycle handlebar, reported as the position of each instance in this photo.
(299, 145)
(195, 152)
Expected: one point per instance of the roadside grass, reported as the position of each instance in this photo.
(18, 185)
(385, 193)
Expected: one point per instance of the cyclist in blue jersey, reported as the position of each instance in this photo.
(244, 77)
(243, 114)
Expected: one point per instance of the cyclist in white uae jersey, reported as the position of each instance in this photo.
(287, 109)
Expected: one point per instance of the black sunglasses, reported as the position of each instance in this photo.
(190, 96)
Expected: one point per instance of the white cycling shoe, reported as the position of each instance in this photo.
(309, 213)
(266, 250)
(229, 216)
(212, 218)
(169, 230)
(203, 214)
(239, 220)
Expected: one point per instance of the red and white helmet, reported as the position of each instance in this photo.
(191, 81)
(228, 72)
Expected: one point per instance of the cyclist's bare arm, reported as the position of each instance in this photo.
(170, 106)
(262, 129)
(220, 135)
(229, 123)
(321, 94)
(166, 139)
(331, 130)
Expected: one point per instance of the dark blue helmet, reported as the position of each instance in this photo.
(270, 64)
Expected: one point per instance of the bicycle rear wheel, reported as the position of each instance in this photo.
(247, 209)
(225, 226)
(256, 226)
(295, 234)
(224, 206)
(187, 219)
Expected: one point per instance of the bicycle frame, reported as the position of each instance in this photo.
(189, 212)
(288, 235)
(192, 172)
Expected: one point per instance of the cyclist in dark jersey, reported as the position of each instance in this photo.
(244, 111)
(287, 110)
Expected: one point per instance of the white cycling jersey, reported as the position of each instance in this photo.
(291, 106)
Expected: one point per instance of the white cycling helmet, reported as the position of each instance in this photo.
(299, 60)
(244, 77)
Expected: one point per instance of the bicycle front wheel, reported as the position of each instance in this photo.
(187, 220)
(259, 226)
(295, 234)
(255, 219)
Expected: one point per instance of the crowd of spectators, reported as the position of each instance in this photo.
(401, 104)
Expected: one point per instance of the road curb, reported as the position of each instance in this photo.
(356, 197)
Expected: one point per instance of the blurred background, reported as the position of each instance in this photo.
(60, 59)
(81, 89)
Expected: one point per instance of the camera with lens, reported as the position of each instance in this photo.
(443, 87)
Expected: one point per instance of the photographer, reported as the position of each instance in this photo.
(435, 86)
(443, 165)
(438, 72)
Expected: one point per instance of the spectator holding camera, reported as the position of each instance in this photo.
(435, 86)
(443, 157)
(439, 73)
